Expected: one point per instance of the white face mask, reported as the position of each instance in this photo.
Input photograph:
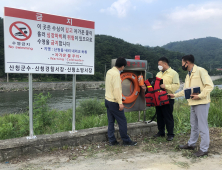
(160, 68)
(120, 71)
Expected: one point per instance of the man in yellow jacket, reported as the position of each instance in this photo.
(114, 105)
(200, 103)
(165, 113)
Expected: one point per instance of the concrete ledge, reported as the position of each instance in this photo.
(12, 148)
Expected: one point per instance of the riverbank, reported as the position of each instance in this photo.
(66, 85)
(37, 86)
(218, 82)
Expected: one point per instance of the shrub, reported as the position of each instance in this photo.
(91, 107)
(216, 92)
(41, 117)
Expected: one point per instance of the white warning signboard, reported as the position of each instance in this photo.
(47, 44)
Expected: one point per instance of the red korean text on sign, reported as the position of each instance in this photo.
(138, 64)
(128, 63)
(143, 64)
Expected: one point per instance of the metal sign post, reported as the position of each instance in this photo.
(73, 105)
(31, 132)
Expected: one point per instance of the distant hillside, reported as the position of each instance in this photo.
(207, 51)
(108, 47)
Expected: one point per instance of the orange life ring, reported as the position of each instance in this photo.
(136, 91)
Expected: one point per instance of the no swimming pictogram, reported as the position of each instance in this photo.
(20, 31)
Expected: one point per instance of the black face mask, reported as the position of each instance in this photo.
(184, 68)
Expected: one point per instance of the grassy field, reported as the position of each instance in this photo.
(92, 113)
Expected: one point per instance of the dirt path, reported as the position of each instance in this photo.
(126, 160)
(150, 154)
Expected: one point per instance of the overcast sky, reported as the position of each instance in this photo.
(147, 22)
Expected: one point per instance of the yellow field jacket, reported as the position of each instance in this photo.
(170, 79)
(198, 78)
(113, 86)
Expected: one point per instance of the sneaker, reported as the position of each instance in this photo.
(158, 135)
(200, 153)
(186, 147)
(113, 143)
(131, 143)
(169, 138)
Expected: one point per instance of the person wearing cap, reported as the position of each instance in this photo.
(200, 103)
(114, 105)
(171, 83)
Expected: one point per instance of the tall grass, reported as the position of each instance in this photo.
(215, 113)
(181, 116)
(92, 113)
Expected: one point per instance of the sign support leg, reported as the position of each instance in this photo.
(7, 78)
(144, 116)
(31, 132)
(139, 117)
(74, 105)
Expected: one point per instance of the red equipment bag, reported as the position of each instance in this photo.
(155, 96)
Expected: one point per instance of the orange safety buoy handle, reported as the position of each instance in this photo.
(136, 91)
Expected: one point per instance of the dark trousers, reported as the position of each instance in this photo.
(113, 113)
(165, 117)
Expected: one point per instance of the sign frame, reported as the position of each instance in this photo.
(79, 57)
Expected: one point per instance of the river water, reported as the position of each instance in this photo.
(17, 102)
